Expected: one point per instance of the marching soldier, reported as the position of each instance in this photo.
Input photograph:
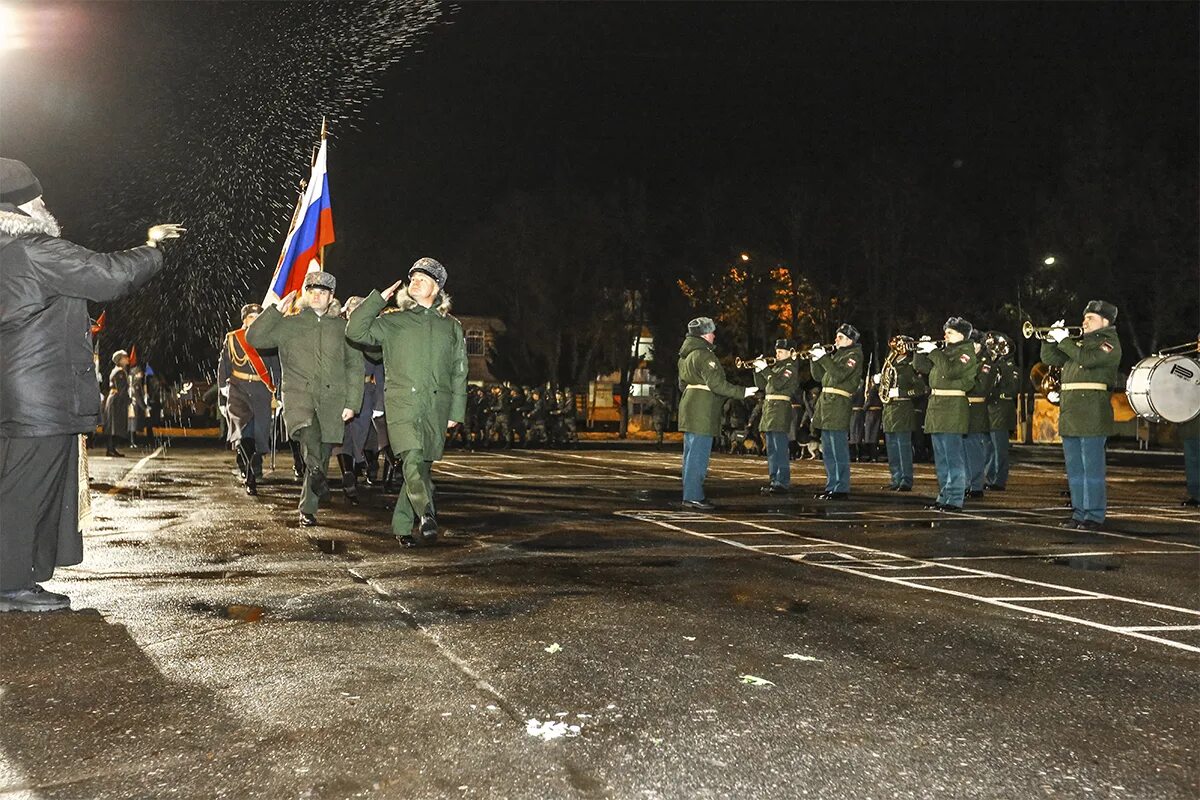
(951, 373)
(904, 384)
(564, 402)
(116, 406)
(322, 378)
(975, 444)
(660, 415)
(425, 363)
(352, 455)
(703, 384)
(1089, 367)
(780, 381)
(1002, 409)
(250, 379)
(840, 374)
(501, 416)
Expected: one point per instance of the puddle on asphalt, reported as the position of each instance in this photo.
(1088, 563)
(234, 611)
(332, 547)
(125, 543)
(576, 540)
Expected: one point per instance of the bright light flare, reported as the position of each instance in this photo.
(12, 29)
(745, 256)
(1049, 261)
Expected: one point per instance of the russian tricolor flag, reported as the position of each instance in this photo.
(311, 231)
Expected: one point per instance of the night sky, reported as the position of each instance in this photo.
(503, 97)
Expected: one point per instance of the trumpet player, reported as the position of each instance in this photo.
(780, 381)
(899, 385)
(951, 372)
(1089, 367)
(975, 444)
(1002, 409)
(840, 373)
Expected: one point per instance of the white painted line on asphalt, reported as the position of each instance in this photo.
(1044, 598)
(124, 483)
(667, 520)
(1066, 554)
(1161, 628)
(460, 465)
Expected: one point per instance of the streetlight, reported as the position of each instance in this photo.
(1049, 261)
(745, 256)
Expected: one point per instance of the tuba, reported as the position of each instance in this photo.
(997, 345)
(1047, 380)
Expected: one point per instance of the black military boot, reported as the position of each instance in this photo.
(371, 471)
(349, 481)
(297, 461)
(246, 460)
(427, 527)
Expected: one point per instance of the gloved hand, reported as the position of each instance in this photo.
(816, 352)
(347, 414)
(759, 364)
(876, 377)
(926, 347)
(750, 390)
(1053, 397)
(164, 232)
(1058, 331)
(894, 391)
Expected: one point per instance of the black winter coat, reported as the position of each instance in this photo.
(47, 378)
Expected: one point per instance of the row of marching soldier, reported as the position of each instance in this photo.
(971, 383)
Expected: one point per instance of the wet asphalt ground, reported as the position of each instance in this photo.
(578, 636)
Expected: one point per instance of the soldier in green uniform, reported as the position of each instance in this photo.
(1002, 409)
(975, 443)
(903, 384)
(425, 384)
(840, 374)
(703, 385)
(1089, 367)
(322, 378)
(780, 381)
(951, 373)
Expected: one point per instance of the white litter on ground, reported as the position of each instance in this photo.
(550, 729)
(798, 657)
(554, 648)
(754, 680)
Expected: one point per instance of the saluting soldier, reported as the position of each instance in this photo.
(951, 373)
(975, 443)
(780, 381)
(1002, 409)
(840, 374)
(251, 379)
(703, 385)
(322, 378)
(1085, 419)
(905, 384)
(425, 390)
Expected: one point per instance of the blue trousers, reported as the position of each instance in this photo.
(1085, 476)
(976, 447)
(697, 447)
(997, 463)
(950, 460)
(1191, 465)
(900, 457)
(835, 450)
(779, 467)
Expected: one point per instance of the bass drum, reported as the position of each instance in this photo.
(1165, 388)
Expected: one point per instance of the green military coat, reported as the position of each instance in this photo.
(424, 368)
(899, 415)
(322, 373)
(1002, 403)
(951, 369)
(700, 409)
(978, 420)
(781, 380)
(840, 371)
(1092, 358)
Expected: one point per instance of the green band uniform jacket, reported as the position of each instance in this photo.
(841, 371)
(978, 420)
(780, 380)
(700, 409)
(1092, 358)
(899, 413)
(951, 369)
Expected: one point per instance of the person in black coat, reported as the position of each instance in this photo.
(48, 391)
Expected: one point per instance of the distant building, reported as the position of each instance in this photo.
(480, 333)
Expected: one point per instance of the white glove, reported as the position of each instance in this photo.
(1058, 331)
(876, 377)
(1053, 397)
(158, 234)
(223, 391)
(759, 364)
(816, 352)
(894, 391)
(377, 413)
(750, 390)
(926, 347)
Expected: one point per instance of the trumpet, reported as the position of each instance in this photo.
(802, 355)
(748, 363)
(907, 344)
(1187, 348)
(1029, 332)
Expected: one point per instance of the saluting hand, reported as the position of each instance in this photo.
(287, 301)
(391, 290)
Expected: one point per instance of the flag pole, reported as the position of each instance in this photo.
(324, 131)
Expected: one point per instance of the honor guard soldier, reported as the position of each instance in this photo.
(899, 385)
(322, 378)
(251, 379)
(840, 374)
(425, 390)
(116, 405)
(951, 373)
(975, 444)
(1002, 409)
(780, 381)
(1089, 367)
(703, 385)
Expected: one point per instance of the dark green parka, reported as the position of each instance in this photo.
(322, 373)
(1091, 359)
(951, 369)
(899, 415)
(700, 408)
(978, 420)
(840, 374)
(424, 368)
(781, 380)
(1002, 403)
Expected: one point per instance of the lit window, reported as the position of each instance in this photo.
(476, 343)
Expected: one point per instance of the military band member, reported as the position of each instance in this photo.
(872, 420)
(251, 379)
(840, 374)
(1002, 409)
(322, 378)
(899, 415)
(1089, 367)
(975, 443)
(951, 373)
(703, 385)
(780, 381)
